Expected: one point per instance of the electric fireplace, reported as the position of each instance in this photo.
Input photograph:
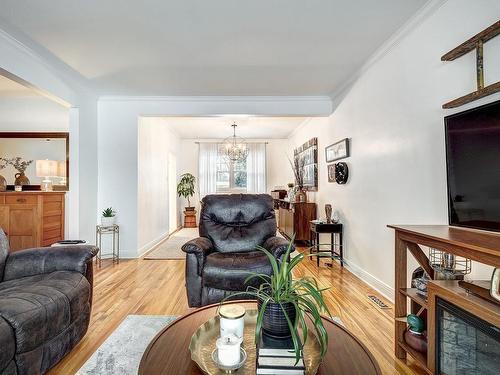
(465, 344)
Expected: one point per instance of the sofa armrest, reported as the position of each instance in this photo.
(42, 260)
(277, 246)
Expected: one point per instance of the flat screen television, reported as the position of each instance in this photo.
(473, 167)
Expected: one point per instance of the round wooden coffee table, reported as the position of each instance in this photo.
(168, 353)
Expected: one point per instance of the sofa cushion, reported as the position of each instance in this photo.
(4, 251)
(228, 271)
(7, 345)
(40, 307)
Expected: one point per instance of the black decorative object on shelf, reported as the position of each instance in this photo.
(341, 173)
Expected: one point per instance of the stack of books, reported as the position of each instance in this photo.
(277, 357)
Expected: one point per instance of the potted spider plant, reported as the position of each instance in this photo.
(284, 303)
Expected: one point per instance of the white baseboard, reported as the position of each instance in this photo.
(381, 287)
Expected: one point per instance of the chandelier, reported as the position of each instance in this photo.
(235, 148)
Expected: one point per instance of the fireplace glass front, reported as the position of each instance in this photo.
(465, 344)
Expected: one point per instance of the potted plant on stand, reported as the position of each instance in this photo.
(185, 188)
(108, 217)
(284, 303)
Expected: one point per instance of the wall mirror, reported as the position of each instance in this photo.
(51, 150)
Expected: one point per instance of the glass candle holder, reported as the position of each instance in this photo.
(228, 350)
(232, 320)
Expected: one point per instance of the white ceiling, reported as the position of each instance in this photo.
(220, 127)
(216, 47)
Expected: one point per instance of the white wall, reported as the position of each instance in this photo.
(33, 113)
(158, 147)
(117, 142)
(392, 114)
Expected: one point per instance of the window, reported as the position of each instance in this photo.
(231, 176)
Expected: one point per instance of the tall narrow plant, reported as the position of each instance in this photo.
(185, 187)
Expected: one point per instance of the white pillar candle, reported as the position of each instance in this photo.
(228, 350)
(232, 320)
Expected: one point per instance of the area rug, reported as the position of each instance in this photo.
(171, 247)
(122, 351)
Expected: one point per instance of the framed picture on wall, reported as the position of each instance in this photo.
(338, 150)
(331, 172)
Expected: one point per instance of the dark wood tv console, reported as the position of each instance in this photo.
(480, 246)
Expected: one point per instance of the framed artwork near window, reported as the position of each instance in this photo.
(337, 150)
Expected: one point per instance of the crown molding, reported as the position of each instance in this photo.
(238, 99)
(42, 56)
(420, 16)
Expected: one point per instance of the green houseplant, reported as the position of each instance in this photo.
(281, 297)
(185, 188)
(108, 217)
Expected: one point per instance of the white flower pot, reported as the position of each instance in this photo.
(108, 221)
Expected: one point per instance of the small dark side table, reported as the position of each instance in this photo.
(336, 248)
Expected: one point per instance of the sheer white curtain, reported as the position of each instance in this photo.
(256, 168)
(207, 169)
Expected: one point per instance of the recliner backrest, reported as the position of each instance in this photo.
(237, 222)
(4, 251)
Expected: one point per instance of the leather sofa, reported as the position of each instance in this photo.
(219, 261)
(45, 304)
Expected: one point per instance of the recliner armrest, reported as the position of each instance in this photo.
(200, 247)
(42, 260)
(277, 246)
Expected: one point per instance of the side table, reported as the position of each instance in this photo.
(336, 248)
(114, 230)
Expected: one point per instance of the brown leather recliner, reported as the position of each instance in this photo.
(219, 261)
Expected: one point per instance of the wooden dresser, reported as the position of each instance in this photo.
(32, 219)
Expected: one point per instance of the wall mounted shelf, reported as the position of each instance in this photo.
(474, 43)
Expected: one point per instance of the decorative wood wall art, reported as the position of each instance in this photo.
(476, 42)
(337, 150)
(308, 154)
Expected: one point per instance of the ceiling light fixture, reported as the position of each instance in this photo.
(235, 148)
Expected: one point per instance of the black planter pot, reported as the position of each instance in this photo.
(274, 323)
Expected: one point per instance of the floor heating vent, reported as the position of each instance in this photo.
(377, 301)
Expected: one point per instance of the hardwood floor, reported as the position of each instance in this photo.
(157, 287)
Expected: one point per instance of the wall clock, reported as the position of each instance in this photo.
(341, 173)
